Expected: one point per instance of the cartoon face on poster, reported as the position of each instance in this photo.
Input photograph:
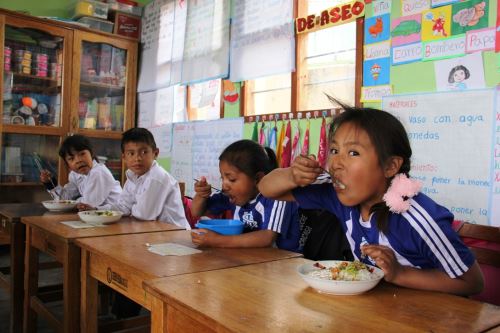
(376, 72)
(436, 23)
(469, 15)
(377, 29)
(460, 73)
(406, 30)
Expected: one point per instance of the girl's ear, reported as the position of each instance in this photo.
(392, 166)
(259, 176)
(156, 152)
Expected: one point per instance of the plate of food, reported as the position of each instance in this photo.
(100, 216)
(339, 277)
(59, 205)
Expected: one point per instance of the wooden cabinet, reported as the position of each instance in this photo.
(59, 79)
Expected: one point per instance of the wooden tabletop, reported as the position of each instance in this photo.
(272, 297)
(17, 210)
(130, 252)
(126, 225)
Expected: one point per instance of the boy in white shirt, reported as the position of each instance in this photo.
(89, 182)
(150, 192)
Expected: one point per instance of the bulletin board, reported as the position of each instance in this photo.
(452, 142)
(196, 147)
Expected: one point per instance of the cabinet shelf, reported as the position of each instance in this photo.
(33, 77)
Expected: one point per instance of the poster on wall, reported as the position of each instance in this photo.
(469, 15)
(380, 7)
(376, 72)
(495, 209)
(461, 74)
(410, 7)
(451, 135)
(377, 29)
(436, 23)
(406, 30)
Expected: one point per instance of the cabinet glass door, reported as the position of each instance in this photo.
(103, 74)
(32, 77)
(108, 151)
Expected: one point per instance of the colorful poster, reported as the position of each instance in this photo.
(377, 50)
(381, 7)
(436, 23)
(439, 3)
(375, 93)
(480, 40)
(406, 54)
(410, 7)
(406, 30)
(497, 42)
(445, 48)
(376, 72)
(377, 29)
(469, 15)
(231, 97)
(460, 73)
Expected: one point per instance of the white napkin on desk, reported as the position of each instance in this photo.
(171, 249)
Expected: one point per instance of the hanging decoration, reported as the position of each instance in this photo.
(305, 143)
(279, 146)
(286, 154)
(295, 141)
(323, 144)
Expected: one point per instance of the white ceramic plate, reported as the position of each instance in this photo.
(336, 287)
(100, 216)
(59, 205)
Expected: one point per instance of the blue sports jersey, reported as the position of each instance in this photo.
(263, 213)
(422, 237)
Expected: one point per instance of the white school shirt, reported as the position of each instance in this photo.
(153, 196)
(98, 188)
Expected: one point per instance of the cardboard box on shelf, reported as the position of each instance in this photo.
(126, 24)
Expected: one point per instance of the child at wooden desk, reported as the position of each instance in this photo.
(242, 164)
(150, 192)
(388, 223)
(90, 182)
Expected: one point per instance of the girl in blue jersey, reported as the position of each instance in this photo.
(386, 221)
(242, 165)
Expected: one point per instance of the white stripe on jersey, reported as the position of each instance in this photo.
(453, 258)
(259, 207)
(382, 240)
(348, 235)
(276, 216)
(236, 214)
(430, 244)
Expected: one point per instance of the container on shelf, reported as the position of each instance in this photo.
(91, 8)
(98, 24)
(126, 6)
(126, 24)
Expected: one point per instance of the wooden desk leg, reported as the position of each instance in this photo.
(71, 288)
(158, 315)
(88, 306)
(30, 283)
(17, 246)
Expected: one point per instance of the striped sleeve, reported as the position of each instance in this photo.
(274, 214)
(439, 244)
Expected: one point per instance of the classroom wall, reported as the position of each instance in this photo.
(60, 8)
(419, 76)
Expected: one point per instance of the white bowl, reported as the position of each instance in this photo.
(337, 287)
(100, 216)
(59, 205)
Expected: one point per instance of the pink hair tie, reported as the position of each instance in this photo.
(401, 190)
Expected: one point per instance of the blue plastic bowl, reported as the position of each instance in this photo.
(223, 227)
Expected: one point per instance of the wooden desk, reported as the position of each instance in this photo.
(272, 297)
(124, 263)
(47, 234)
(11, 278)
